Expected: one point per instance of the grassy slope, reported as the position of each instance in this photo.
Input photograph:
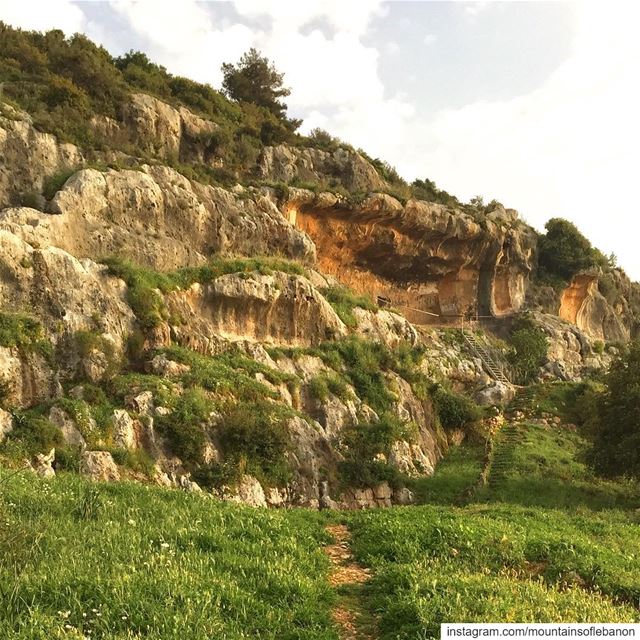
(151, 563)
(548, 543)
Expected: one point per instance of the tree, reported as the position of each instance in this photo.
(564, 251)
(529, 349)
(616, 446)
(255, 79)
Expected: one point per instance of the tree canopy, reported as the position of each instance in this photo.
(616, 448)
(255, 79)
(564, 250)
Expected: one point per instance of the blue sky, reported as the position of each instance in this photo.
(533, 103)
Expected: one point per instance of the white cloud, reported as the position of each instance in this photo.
(567, 149)
(42, 15)
(286, 15)
(392, 47)
(183, 38)
(430, 38)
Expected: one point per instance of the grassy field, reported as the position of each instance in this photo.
(543, 541)
(548, 542)
(127, 561)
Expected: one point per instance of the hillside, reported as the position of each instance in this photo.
(543, 541)
(204, 314)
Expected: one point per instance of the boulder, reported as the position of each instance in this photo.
(495, 394)
(68, 427)
(250, 492)
(99, 465)
(6, 424)
(43, 464)
(124, 429)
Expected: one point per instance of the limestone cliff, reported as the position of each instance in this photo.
(143, 311)
(422, 256)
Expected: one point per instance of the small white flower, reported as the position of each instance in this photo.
(165, 545)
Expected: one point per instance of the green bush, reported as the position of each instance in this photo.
(185, 426)
(255, 435)
(455, 411)
(616, 439)
(529, 352)
(34, 432)
(598, 347)
(23, 331)
(323, 384)
(366, 446)
(563, 250)
(52, 184)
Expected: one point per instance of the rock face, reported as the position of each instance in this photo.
(570, 351)
(430, 261)
(28, 156)
(160, 130)
(582, 304)
(156, 218)
(288, 164)
(276, 309)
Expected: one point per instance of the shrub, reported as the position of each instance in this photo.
(564, 251)
(217, 474)
(616, 442)
(23, 331)
(455, 411)
(323, 384)
(598, 346)
(256, 434)
(366, 446)
(52, 184)
(184, 426)
(35, 432)
(529, 350)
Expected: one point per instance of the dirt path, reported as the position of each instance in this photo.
(348, 578)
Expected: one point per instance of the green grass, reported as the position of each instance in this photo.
(549, 542)
(487, 563)
(344, 301)
(457, 472)
(546, 470)
(555, 398)
(125, 561)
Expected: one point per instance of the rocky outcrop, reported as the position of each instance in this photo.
(157, 129)
(582, 304)
(99, 465)
(433, 262)
(28, 156)
(43, 464)
(156, 217)
(570, 352)
(6, 424)
(343, 166)
(277, 309)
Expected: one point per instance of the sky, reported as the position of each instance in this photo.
(535, 104)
